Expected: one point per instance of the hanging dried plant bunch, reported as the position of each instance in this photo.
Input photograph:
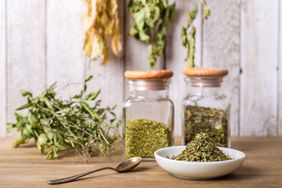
(188, 32)
(101, 24)
(151, 19)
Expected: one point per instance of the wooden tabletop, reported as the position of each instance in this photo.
(25, 167)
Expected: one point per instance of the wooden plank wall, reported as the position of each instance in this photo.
(176, 54)
(64, 39)
(109, 77)
(259, 63)
(280, 72)
(26, 55)
(221, 47)
(2, 67)
(41, 42)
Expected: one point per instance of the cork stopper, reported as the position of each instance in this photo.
(151, 74)
(205, 72)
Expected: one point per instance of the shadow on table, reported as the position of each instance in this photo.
(139, 169)
(244, 173)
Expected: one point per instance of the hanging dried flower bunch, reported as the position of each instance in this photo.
(101, 24)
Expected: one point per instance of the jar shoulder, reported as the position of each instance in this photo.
(131, 101)
(216, 101)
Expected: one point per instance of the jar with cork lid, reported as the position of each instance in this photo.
(148, 113)
(205, 107)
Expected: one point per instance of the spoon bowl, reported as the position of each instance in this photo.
(128, 164)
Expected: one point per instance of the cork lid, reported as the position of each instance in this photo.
(205, 72)
(151, 74)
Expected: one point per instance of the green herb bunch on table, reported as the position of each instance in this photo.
(80, 123)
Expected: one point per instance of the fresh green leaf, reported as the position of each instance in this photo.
(26, 93)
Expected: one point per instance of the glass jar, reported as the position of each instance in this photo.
(148, 113)
(205, 107)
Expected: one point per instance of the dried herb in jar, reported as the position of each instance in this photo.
(202, 149)
(212, 121)
(143, 137)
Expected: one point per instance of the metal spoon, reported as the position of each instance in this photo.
(124, 166)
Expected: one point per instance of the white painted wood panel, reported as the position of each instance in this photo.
(45, 38)
(109, 77)
(280, 73)
(25, 50)
(259, 41)
(2, 68)
(221, 48)
(176, 54)
(65, 59)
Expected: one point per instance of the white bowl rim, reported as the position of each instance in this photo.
(156, 153)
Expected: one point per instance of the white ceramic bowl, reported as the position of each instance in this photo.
(198, 170)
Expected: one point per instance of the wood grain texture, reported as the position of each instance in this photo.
(64, 45)
(2, 68)
(25, 50)
(221, 48)
(109, 78)
(259, 32)
(25, 167)
(280, 72)
(176, 54)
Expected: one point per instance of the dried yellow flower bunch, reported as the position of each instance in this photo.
(101, 24)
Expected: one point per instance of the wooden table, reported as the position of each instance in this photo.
(25, 167)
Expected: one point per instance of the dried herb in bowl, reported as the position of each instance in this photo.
(202, 149)
(143, 137)
(212, 121)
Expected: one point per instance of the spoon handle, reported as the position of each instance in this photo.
(77, 176)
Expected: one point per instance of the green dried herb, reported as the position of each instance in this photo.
(206, 10)
(79, 123)
(151, 19)
(143, 137)
(212, 121)
(189, 39)
(202, 149)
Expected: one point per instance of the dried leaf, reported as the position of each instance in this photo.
(150, 24)
(101, 22)
(202, 149)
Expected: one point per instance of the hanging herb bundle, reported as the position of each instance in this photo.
(56, 125)
(188, 32)
(101, 22)
(151, 19)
